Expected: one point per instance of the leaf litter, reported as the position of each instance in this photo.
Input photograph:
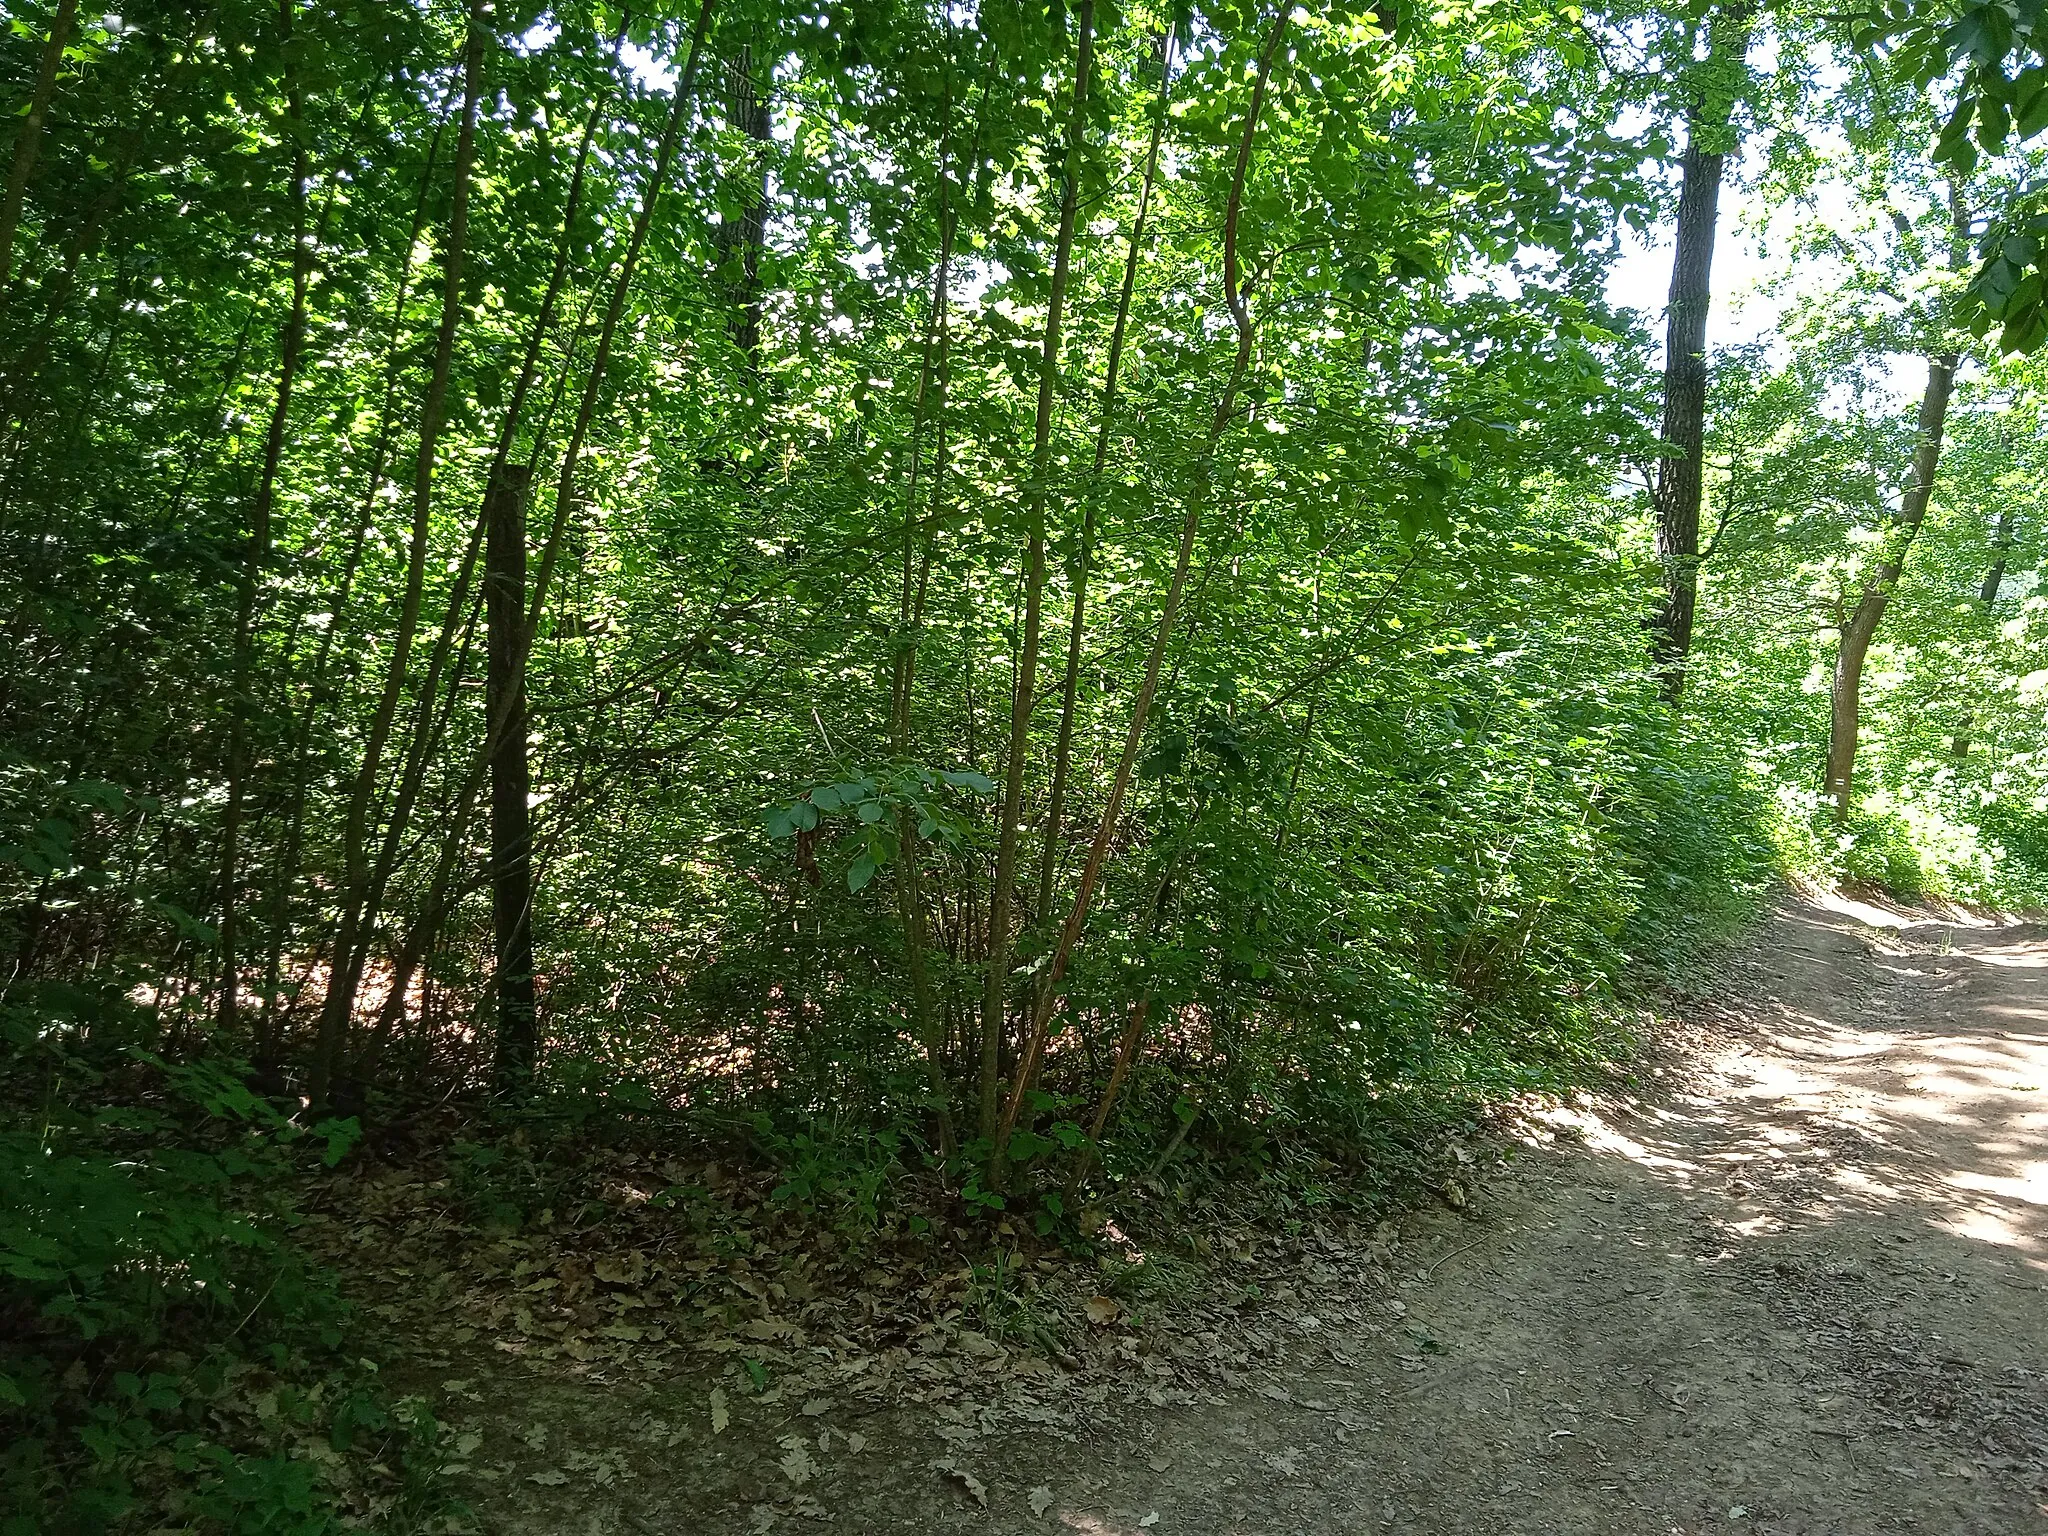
(672, 1271)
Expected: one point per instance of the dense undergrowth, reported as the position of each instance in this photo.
(894, 636)
(173, 1353)
(168, 1355)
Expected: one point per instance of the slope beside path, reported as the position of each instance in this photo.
(1798, 1285)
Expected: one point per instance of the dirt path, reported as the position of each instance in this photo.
(1800, 1286)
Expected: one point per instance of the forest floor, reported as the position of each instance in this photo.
(1794, 1279)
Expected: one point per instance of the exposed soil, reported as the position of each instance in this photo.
(1796, 1283)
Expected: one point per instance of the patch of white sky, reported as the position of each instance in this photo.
(1763, 273)
(654, 71)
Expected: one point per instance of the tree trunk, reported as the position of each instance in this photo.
(1235, 292)
(30, 140)
(1681, 471)
(256, 557)
(511, 825)
(622, 285)
(1987, 595)
(1002, 891)
(931, 1032)
(1860, 627)
(426, 730)
(1070, 687)
(742, 241)
(351, 936)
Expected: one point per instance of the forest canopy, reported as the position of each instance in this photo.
(1062, 585)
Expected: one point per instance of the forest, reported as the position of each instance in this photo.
(971, 610)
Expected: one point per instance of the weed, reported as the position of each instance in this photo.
(1002, 1299)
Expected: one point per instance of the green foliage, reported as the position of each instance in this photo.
(1877, 850)
(1409, 821)
(167, 1348)
(831, 1169)
(2020, 835)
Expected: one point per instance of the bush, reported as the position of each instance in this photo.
(166, 1351)
(1878, 850)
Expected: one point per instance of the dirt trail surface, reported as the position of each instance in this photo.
(1798, 1283)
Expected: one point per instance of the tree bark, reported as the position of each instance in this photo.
(1681, 471)
(511, 824)
(742, 241)
(1859, 628)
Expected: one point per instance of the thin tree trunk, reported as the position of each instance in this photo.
(1070, 687)
(1681, 472)
(387, 417)
(425, 735)
(916, 573)
(501, 710)
(1002, 891)
(351, 947)
(2001, 550)
(743, 240)
(1860, 627)
(1129, 1046)
(30, 139)
(499, 723)
(268, 1044)
(291, 346)
(511, 781)
(1235, 293)
(586, 410)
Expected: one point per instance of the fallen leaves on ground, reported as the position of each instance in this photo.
(976, 1489)
(650, 1270)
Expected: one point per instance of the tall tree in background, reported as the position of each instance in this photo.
(511, 779)
(2002, 542)
(1859, 624)
(1680, 489)
(1003, 884)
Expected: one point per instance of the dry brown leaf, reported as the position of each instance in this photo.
(1103, 1310)
(796, 1461)
(975, 1487)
